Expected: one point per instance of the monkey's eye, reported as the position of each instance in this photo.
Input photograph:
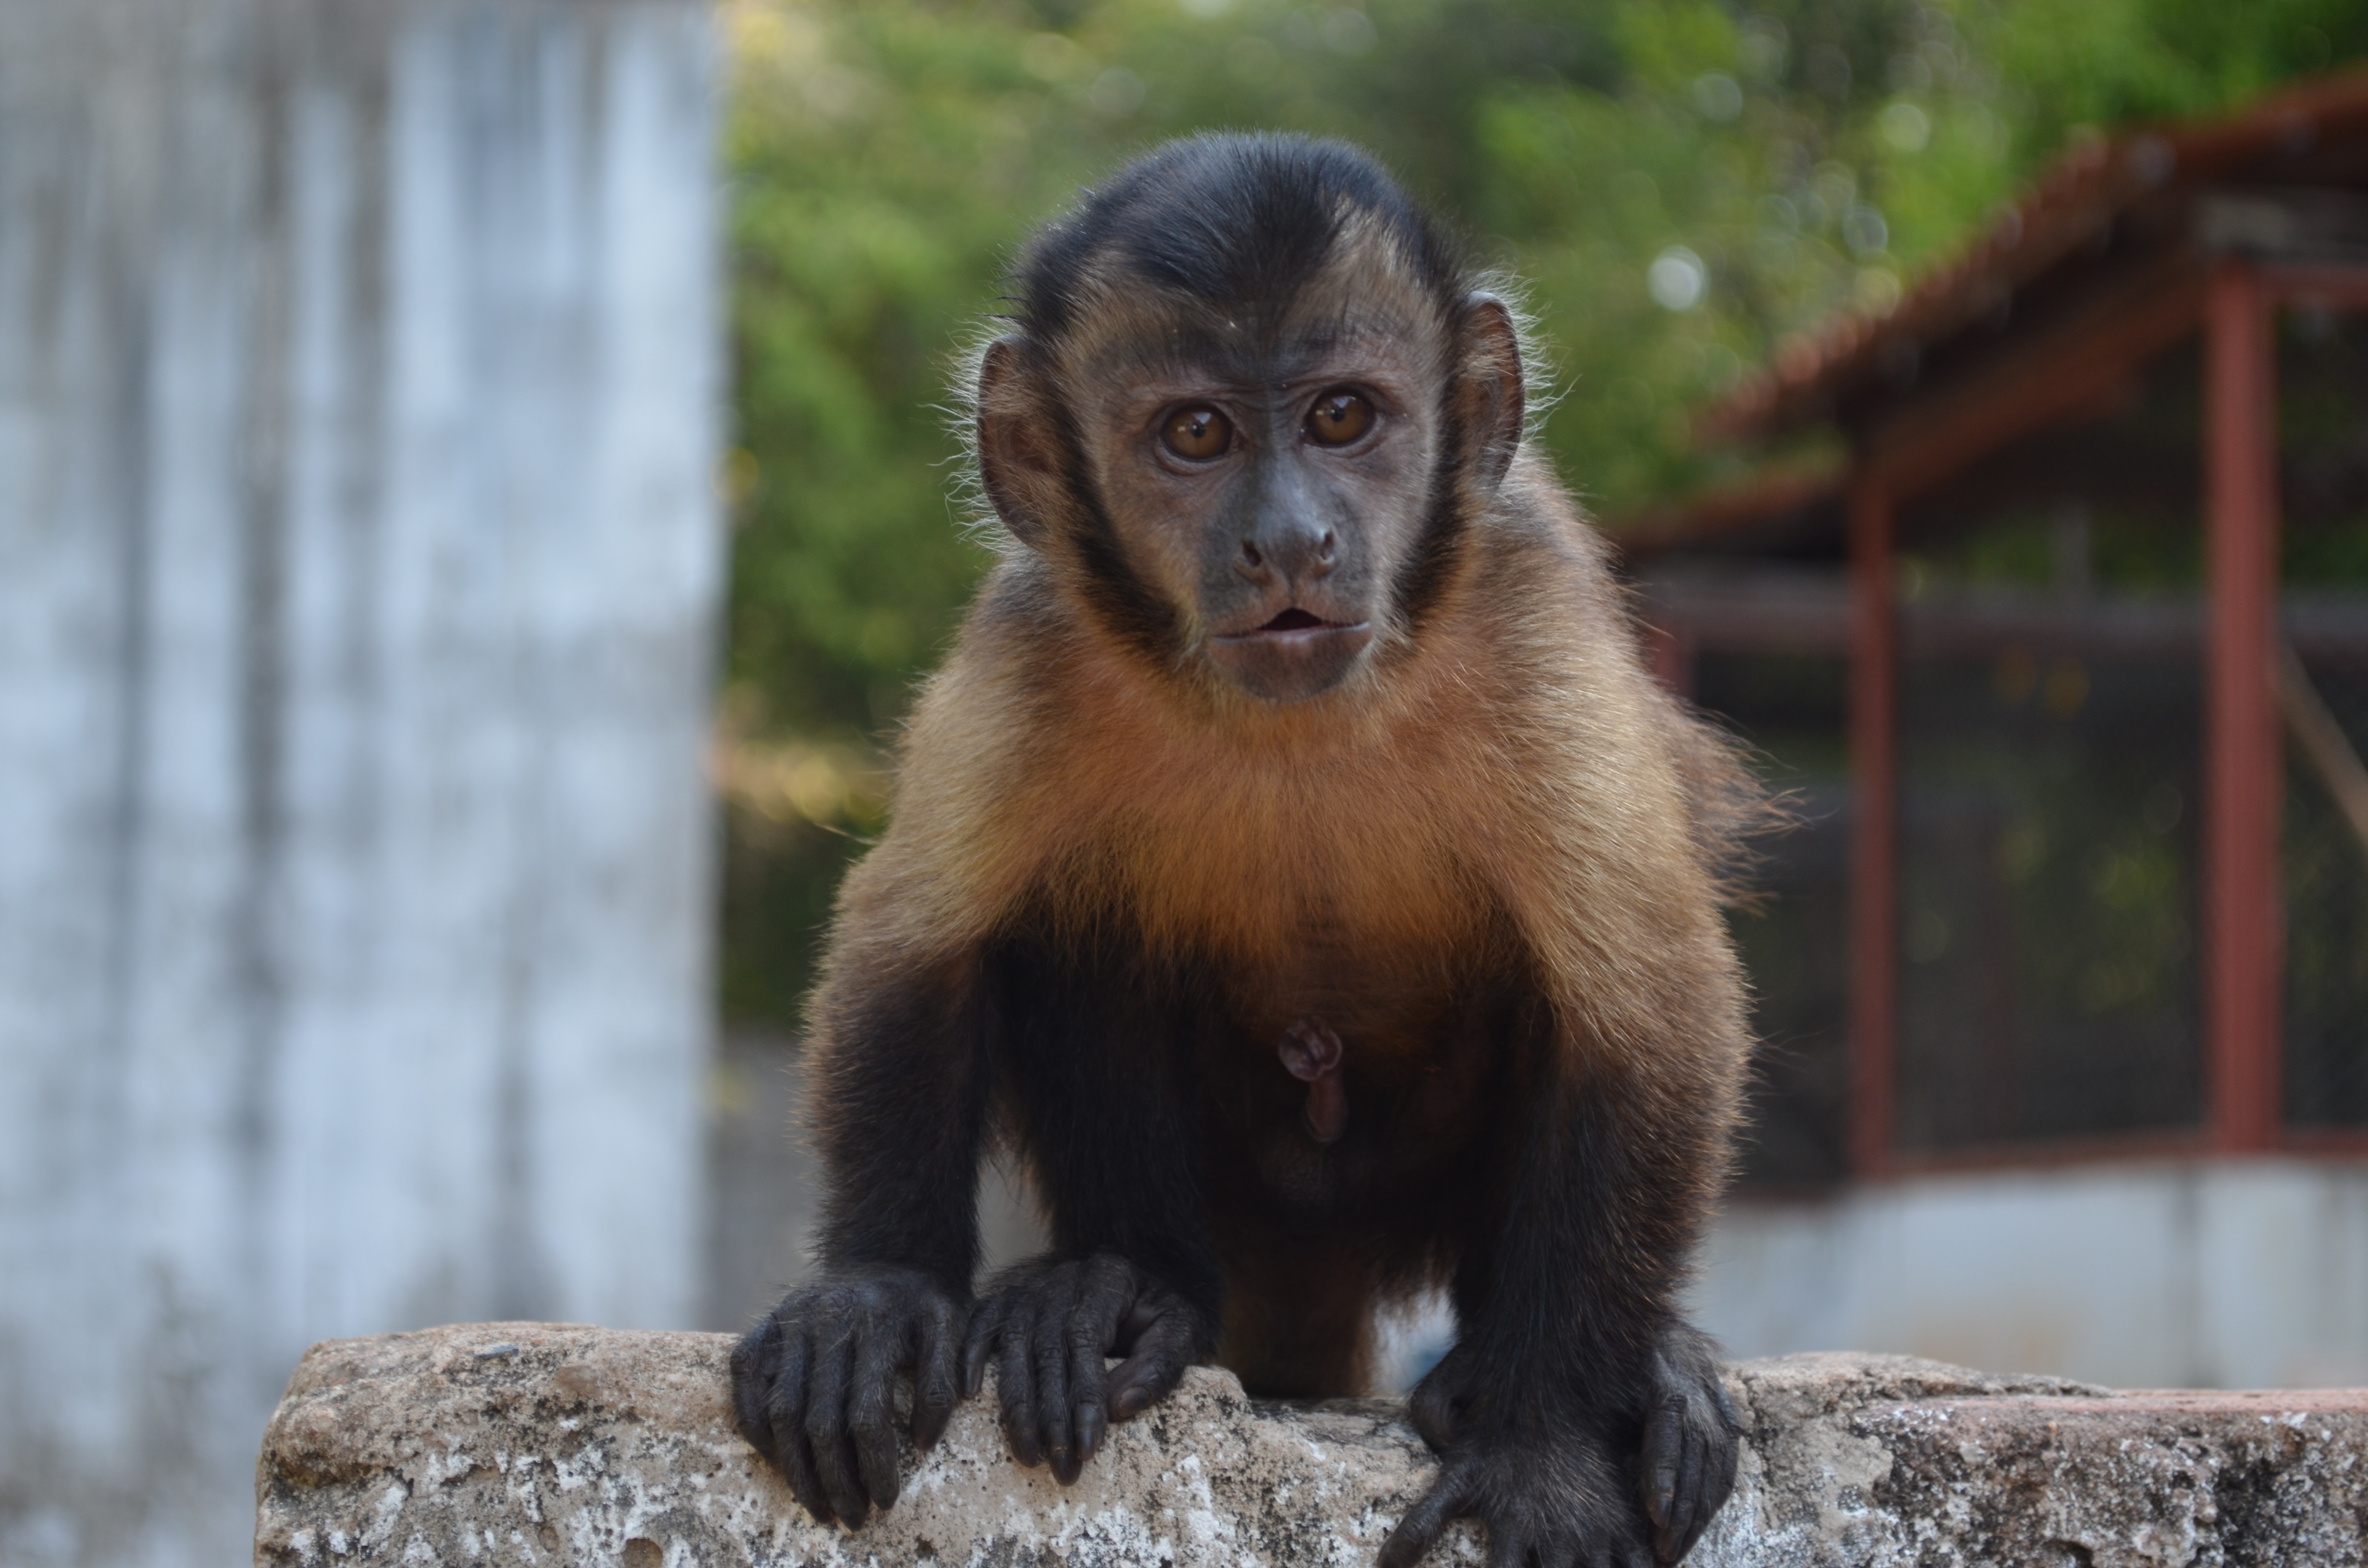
(1198, 433)
(1338, 418)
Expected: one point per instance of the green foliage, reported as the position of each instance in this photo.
(1681, 183)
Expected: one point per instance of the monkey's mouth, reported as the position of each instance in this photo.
(1291, 620)
(1292, 655)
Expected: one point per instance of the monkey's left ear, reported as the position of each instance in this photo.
(1490, 394)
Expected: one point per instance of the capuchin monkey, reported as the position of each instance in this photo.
(1294, 865)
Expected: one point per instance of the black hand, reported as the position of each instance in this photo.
(1690, 1450)
(814, 1385)
(1048, 1327)
(1555, 1488)
(1557, 1497)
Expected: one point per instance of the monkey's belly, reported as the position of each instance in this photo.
(1347, 1116)
(1414, 1086)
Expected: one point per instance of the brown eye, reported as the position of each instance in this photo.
(1196, 432)
(1338, 418)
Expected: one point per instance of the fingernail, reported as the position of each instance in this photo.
(1130, 1403)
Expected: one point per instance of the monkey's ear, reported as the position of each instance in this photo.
(1019, 456)
(1492, 406)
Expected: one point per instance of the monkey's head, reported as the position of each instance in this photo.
(1250, 404)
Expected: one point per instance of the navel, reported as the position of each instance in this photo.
(1311, 1052)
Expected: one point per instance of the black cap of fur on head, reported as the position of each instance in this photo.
(1236, 220)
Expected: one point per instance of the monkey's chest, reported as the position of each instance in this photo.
(1348, 967)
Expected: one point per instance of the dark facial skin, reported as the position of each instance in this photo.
(1271, 492)
(1269, 483)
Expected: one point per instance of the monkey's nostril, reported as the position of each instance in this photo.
(1251, 556)
(1326, 545)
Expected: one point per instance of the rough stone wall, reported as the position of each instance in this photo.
(358, 561)
(521, 1443)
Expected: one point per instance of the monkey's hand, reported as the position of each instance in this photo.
(1687, 1467)
(1560, 1492)
(1048, 1325)
(814, 1385)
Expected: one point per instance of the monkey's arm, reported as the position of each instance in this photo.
(1084, 1037)
(898, 1094)
(1578, 1416)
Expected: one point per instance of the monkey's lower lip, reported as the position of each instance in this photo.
(1293, 656)
(1293, 625)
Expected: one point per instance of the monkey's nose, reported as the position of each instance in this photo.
(1301, 553)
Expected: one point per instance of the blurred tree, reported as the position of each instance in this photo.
(1680, 183)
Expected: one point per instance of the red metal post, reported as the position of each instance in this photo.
(2242, 906)
(1875, 850)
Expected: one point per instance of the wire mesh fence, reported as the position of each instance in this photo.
(2326, 866)
(2050, 894)
(2047, 982)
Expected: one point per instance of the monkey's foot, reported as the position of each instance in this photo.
(812, 1385)
(1048, 1325)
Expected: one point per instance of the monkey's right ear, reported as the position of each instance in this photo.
(1018, 453)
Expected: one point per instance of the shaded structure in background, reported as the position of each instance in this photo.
(2020, 645)
(358, 566)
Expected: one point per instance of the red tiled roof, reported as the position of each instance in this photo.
(2085, 189)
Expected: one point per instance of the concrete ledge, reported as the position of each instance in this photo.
(531, 1443)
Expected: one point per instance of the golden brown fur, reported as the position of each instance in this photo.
(1523, 756)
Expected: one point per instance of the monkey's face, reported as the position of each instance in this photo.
(1270, 491)
(1252, 490)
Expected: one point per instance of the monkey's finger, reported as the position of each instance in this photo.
(1089, 1413)
(1728, 1421)
(1725, 1454)
(1676, 1532)
(1665, 1437)
(1017, 1385)
(1049, 1355)
(1708, 1477)
(1094, 1328)
(834, 1459)
(1703, 1474)
(1156, 1363)
(756, 1363)
(871, 1408)
(1423, 1524)
(978, 1344)
(1695, 1497)
(934, 1370)
(1140, 1317)
(1086, 1406)
(786, 1412)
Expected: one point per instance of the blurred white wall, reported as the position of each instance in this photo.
(358, 573)
(2205, 1274)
